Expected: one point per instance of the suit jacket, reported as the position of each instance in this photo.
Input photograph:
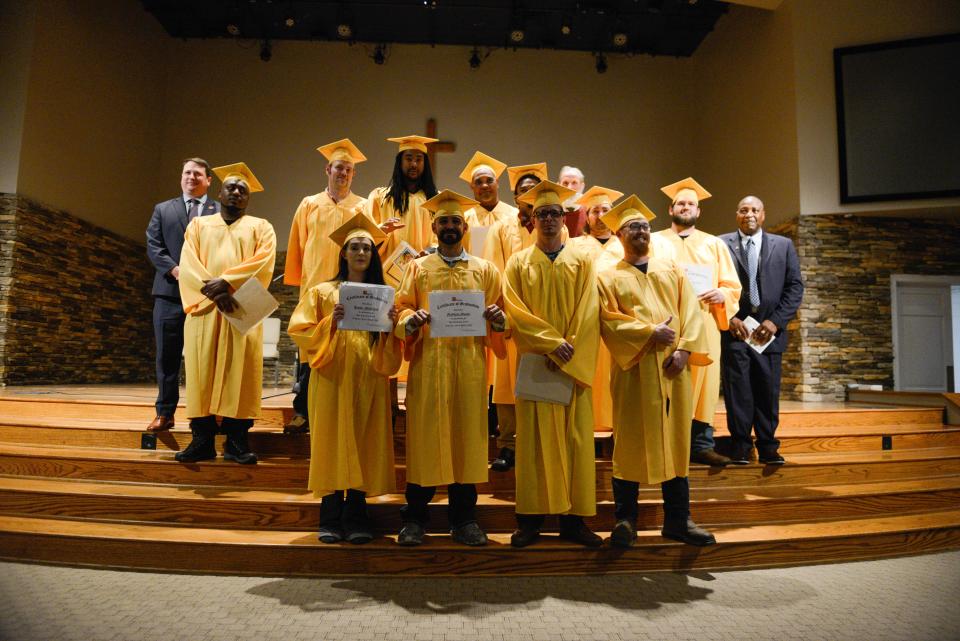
(165, 241)
(779, 282)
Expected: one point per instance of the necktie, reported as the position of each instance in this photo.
(192, 211)
(752, 272)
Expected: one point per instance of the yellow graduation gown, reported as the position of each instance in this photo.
(351, 436)
(446, 385)
(547, 303)
(224, 367)
(505, 239)
(417, 220)
(312, 257)
(650, 445)
(607, 255)
(705, 249)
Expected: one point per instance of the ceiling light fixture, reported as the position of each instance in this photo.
(620, 38)
(566, 26)
(233, 29)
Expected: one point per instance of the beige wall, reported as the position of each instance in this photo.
(16, 47)
(819, 27)
(91, 135)
(745, 138)
(520, 107)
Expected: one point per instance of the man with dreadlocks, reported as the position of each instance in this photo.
(398, 207)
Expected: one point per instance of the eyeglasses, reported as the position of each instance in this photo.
(637, 227)
(543, 215)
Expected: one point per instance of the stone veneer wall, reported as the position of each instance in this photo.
(792, 377)
(844, 329)
(74, 298)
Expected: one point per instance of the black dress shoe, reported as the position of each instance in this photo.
(505, 460)
(580, 533)
(411, 534)
(524, 537)
(770, 457)
(686, 531)
(624, 534)
(709, 457)
(469, 534)
(359, 536)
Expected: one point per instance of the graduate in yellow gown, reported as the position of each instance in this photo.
(684, 244)
(447, 385)
(505, 238)
(651, 321)
(553, 306)
(224, 367)
(351, 443)
(603, 246)
(482, 173)
(398, 207)
(311, 256)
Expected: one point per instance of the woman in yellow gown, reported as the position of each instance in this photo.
(351, 438)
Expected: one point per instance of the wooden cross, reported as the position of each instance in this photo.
(443, 147)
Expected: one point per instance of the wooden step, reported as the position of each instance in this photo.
(287, 553)
(226, 507)
(849, 416)
(143, 466)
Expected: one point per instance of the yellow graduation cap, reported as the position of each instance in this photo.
(687, 186)
(358, 226)
(631, 209)
(342, 150)
(418, 143)
(241, 171)
(449, 203)
(546, 192)
(480, 161)
(597, 195)
(538, 169)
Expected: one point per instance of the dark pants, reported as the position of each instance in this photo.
(535, 521)
(751, 394)
(303, 386)
(461, 508)
(227, 425)
(168, 318)
(350, 513)
(676, 499)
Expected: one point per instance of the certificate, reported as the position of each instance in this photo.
(536, 382)
(366, 307)
(751, 324)
(457, 313)
(254, 303)
(397, 262)
(700, 276)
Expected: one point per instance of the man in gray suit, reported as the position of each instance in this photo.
(772, 291)
(164, 242)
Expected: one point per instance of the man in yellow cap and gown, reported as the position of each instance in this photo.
(650, 320)
(311, 256)
(447, 383)
(224, 367)
(482, 173)
(601, 244)
(719, 301)
(552, 303)
(398, 207)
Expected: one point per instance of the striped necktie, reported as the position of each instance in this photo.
(752, 272)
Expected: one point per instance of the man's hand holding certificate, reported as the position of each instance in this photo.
(457, 313)
(366, 307)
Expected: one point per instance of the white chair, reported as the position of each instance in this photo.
(271, 342)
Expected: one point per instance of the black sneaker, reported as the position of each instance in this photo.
(330, 534)
(201, 448)
(524, 537)
(410, 534)
(740, 457)
(624, 534)
(469, 534)
(236, 449)
(359, 536)
(770, 457)
(505, 460)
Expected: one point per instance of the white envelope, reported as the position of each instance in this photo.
(751, 324)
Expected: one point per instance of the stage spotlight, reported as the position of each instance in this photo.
(517, 35)
(266, 51)
(566, 28)
(233, 29)
(601, 63)
(475, 58)
(620, 38)
(289, 22)
(379, 55)
(344, 30)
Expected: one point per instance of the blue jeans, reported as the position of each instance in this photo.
(701, 436)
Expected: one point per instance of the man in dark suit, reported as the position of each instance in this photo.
(164, 242)
(772, 290)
